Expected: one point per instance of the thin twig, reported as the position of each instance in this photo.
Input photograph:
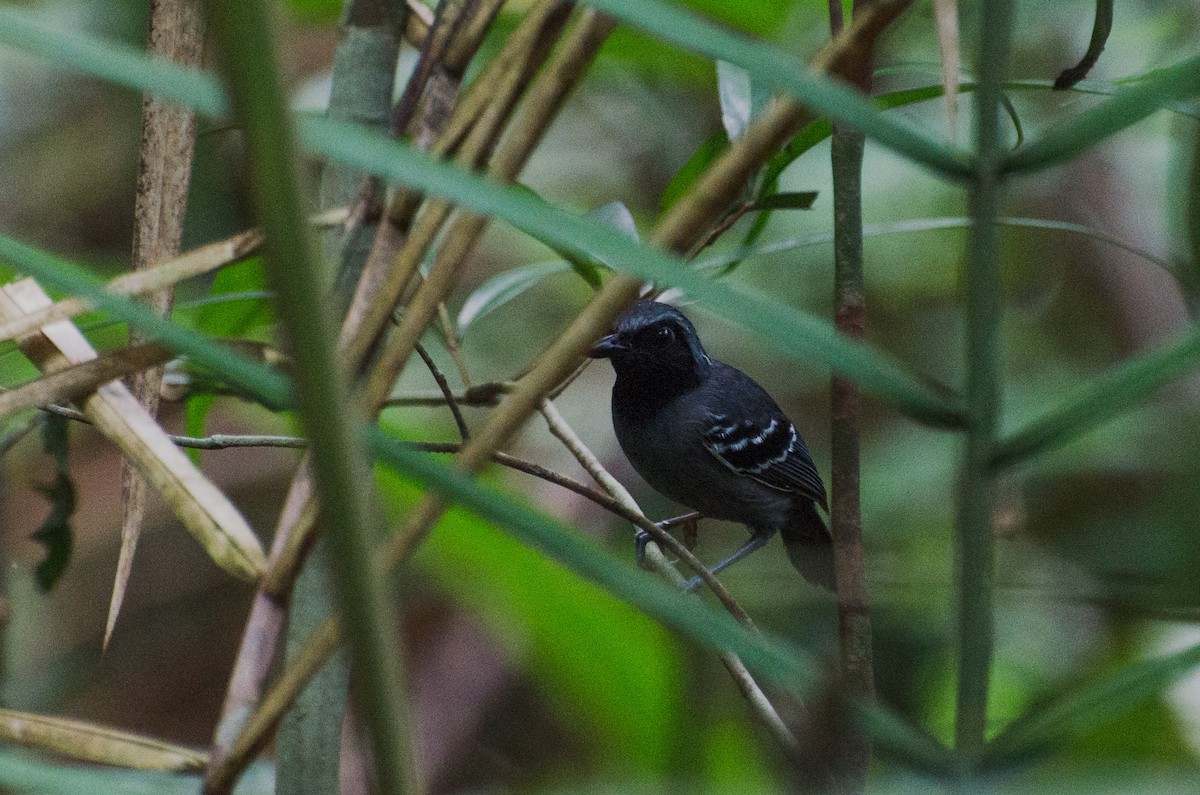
(447, 394)
(224, 441)
(566, 434)
(481, 395)
(452, 344)
(734, 215)
(657, 562)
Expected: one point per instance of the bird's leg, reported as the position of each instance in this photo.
(755, 543)
(641, 537)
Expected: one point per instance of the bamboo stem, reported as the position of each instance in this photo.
(974, 576)
(339, 461)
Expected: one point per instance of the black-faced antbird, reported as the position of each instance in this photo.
(708, 436)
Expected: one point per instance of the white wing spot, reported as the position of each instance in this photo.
(765, 465)
(762, 437)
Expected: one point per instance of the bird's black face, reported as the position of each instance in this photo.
(656, 346)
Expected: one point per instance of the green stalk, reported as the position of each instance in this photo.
(308, 746)
(975, 547)
(343, 477)
(845, 398)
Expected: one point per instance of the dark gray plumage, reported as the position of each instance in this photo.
(708, 436)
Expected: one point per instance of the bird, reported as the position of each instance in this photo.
(707, 436)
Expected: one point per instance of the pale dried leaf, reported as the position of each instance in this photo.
(202, 508)
(946, 17)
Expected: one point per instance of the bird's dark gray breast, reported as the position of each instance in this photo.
(664, 440)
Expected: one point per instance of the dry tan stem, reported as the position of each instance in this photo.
(92, 743)
(543, 102)
(202, 508)
(297, 522)
(168, 140)
(365, 321)
(382, 287)
(267, 612)
(81, 379)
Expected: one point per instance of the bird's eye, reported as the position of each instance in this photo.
(664, 334)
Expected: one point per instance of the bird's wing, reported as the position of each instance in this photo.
(747, 432)
(765, 446)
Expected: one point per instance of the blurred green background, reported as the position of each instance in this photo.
(525, 678)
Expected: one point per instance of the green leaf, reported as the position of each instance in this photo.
(502, 288)
(591, 654)
(1082, 709)
(799, 200)
(1101, 399)
(195, 419)
(685, 178)
(241, 317)
(55, 533)
(1127, 107)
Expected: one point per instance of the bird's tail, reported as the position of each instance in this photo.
(809, 544)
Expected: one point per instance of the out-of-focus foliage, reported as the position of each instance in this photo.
(575, 690)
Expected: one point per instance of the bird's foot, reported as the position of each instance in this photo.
(640, 539)
(690, 522)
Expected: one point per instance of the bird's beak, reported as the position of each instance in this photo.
(606, 347)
